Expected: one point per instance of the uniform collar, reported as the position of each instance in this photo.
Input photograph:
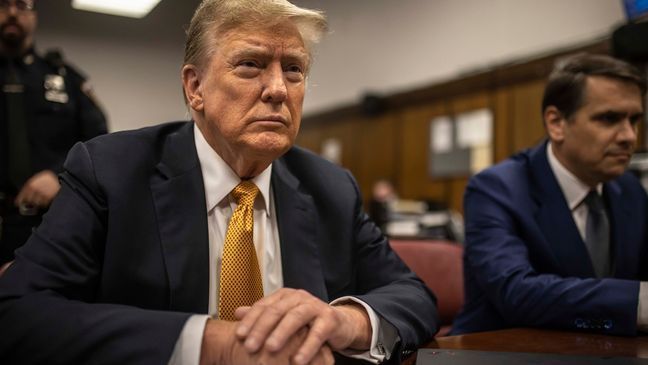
(27, 58)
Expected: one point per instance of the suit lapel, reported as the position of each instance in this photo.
(179, 198)
(555, 219)
(296, 219)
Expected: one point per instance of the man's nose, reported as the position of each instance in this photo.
(628, 132)
(13, 9)
(274, 89)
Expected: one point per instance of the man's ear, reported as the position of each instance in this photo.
(554, 122)
(191, 83)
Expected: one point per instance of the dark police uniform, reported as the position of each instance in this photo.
(57, 112)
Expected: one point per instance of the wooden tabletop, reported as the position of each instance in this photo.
(547, 341)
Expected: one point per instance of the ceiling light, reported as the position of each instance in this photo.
(129, 8)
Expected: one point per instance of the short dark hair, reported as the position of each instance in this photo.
(566, 84)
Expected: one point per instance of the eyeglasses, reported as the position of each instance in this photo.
(21, 5)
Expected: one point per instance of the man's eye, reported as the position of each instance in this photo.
(249, 64)
(294, 68)
(636, 118)
(609, 118)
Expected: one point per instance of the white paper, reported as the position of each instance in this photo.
(475, 128)
(441, 134)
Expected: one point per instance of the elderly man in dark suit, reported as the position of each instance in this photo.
(556, 236)
(214, 241)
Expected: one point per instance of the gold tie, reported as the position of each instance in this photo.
(240, 278)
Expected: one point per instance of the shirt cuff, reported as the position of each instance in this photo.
(642, 307)
(384, 335)
(187, 347)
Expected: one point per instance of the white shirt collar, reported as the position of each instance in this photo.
(574, 190)
(220, 179)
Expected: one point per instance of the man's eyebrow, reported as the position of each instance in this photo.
(296, 56)
(251, 51)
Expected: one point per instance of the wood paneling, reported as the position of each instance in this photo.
(503, 118)
(412, 178)
(526, 101)
(395, 145)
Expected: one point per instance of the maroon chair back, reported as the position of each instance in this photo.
(440, 265)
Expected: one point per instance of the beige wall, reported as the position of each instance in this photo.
(380, 45)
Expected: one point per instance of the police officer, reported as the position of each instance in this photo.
(45, 107)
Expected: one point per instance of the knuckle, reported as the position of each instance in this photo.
(319, 333)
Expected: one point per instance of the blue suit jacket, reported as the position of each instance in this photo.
(121, 259)
(526, 263)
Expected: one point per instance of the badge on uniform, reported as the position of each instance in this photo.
(55, 89)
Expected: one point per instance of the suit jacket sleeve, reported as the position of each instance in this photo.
(390, 288)
(500, 260)
(48, 309)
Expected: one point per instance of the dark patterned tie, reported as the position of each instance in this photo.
(240, 277)
(597, 234)
(19, 159)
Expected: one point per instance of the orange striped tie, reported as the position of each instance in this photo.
(240, 278)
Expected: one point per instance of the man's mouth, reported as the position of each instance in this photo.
(11, 28)
(271, 119)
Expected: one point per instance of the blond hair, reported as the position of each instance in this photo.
(213, 18)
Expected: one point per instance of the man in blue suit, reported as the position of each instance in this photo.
(556, 236)
(125, 268)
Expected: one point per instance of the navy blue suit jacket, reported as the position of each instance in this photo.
(121, 259)
(526, 263)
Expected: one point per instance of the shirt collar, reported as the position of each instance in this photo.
(574, 190)
(220, 179)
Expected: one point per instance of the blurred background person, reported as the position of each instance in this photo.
(383, 197)
(46, 106)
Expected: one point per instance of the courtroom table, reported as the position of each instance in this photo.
(546, 341)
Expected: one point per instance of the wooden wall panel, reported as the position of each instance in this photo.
(310, 138)
(502, 136)
(412, 179)
(462, 104)
(526, 117)
(376, 151)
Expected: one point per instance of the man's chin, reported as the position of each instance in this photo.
(613, 173)
(12, 41)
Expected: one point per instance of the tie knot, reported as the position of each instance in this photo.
(594, 201)
(245, 193)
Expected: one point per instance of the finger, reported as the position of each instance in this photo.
(41, 201)
(27, 197)
(20, 198)
(324, 356)
(318, 334)
(267, 321)
(256, 310)
(31, 198)
(240, 312)
(298, 317)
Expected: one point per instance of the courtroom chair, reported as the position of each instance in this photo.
(440, 265)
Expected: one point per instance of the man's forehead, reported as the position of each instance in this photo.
(243, 41)
(604, 93)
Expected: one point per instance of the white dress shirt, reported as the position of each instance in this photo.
(575, 192)
(219, 180)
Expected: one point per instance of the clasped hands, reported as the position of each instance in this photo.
(288, 327)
